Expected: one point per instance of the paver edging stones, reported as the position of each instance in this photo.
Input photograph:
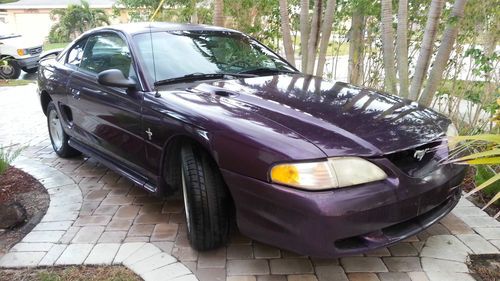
(43, 246)
(442, 256)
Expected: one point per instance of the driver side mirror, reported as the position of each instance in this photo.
(115, 78)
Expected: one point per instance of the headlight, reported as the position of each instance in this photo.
(332, 173)
(21, 52)
(450, 133)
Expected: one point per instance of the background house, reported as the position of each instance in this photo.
(31, 18)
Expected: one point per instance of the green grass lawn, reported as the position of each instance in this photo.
(7, 1)
(18, 82)
(51, 46)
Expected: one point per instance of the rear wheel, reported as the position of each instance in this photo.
(58, 137)
(206, 199)
(10, 69)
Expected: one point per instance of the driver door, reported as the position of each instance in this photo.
(107, 119)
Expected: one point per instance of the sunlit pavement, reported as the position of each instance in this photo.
(108, 214)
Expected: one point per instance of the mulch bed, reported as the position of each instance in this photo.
(479, 198)
(486, 267)
(18, 186)
(70, 273)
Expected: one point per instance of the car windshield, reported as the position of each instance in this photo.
(177, 54)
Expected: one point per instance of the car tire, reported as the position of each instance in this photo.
(206, 199)
(58, 137)
(11, 70)
(30, 70)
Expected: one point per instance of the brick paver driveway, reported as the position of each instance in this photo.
(114, 211)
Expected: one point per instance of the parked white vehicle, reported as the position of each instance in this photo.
(17, 53)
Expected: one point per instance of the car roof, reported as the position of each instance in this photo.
(142, 27)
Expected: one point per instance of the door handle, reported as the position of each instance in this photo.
(75, 93)
(92, 91)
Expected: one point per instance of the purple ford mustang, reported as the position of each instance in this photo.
(316, 167)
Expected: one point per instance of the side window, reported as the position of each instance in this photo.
(107, 51)
(76, 53)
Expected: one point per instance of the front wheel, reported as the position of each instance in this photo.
(206, 199)
(58, 137)
(9, 69)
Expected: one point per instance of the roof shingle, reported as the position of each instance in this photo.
(54, 4)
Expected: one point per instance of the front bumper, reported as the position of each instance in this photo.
(344, 221)
(29, 63)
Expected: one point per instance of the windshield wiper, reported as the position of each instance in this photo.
(200, 76)
(265, 70)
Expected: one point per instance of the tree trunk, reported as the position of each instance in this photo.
(285, 29)
(326, 31)
(312, 45)
(356, 47)
(194, 15)
(219, 12)
(424, 57)
(304, 31)
(443, 54)
(402, 48)
(489, 46)
(388, 47)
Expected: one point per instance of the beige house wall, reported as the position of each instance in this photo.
(35, 24)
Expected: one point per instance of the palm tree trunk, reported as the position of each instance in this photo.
(424, 57)
(194, 15)
(402, 48)
(312, 45)
(388, 47)
(219, 12)
(326, 31)
(285, 29)
(356, 47)
(304, 31)
(443, 54)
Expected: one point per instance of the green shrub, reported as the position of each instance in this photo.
(484, 173)
(7, 155)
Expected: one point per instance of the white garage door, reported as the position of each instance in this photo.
(33, 26)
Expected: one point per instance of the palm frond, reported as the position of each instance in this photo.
(485, 184)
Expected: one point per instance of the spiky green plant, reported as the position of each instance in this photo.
(7, 155)
(485, 150)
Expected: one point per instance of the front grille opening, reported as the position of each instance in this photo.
(35, 51)
(351, 243)
(392, 233)
(416, 162)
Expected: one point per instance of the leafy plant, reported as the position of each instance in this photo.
(485, 151)
(74, 20)
(7, 155)
(484, 173)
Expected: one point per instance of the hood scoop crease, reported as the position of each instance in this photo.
(212, 90)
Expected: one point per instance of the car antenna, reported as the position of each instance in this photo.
(157, 93)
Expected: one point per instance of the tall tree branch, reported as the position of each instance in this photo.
(443, 54)
(402, 48)
(424, 57)
(326, 31)
(285, 29)
(388, 47)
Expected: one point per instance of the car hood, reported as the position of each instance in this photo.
(339, 118)
(19, 42)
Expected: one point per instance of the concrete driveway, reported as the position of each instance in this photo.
(110, 213)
